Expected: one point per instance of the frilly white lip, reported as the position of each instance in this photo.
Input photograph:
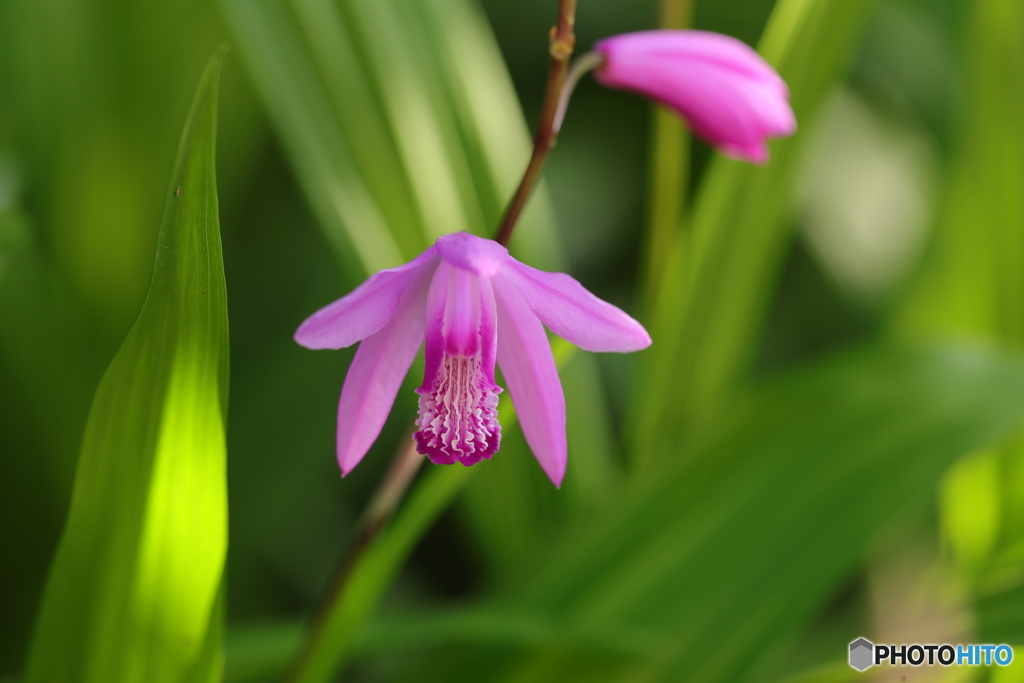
(473, 306)
(730, 96)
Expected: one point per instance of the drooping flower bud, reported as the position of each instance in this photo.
(726, 91)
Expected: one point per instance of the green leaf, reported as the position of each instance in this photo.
(719, 278)
(133, 592)
(260, 652)
(973, 279)
(399, 119)
(731, 553)
(1001, 617)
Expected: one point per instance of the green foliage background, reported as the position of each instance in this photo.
(823, 442)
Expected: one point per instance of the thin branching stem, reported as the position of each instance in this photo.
(562, 43)
(379, 511)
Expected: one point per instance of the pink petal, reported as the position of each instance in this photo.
(433, 349)
(573, 313)
(697, 46)
(488, 329)
(366, 309)
(524, 356)
(376, 374)
(462, 312)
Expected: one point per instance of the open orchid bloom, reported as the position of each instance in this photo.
(473, 305)
(729, 95)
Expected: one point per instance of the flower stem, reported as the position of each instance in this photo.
(579, 68)
(562, 43)
(669, 171)
(309, 664)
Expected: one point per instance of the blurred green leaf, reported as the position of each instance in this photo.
(261, 652)
(973, 279)
(731, 553)
(839, 672)
(133, 591)
(720, 277)
(374, 572)
(1001, 617)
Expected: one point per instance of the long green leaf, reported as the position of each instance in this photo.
(133, 590)
(731, 553)
(719, 279)
(973, 280)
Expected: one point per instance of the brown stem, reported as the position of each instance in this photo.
(379, 511)
(562, 42)
(391, 490)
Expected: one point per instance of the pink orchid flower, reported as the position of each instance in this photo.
(729, 95)
(473, 305)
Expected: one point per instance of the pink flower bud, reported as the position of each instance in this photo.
(727, 93)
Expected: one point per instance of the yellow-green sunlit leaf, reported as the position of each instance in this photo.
(133, 592)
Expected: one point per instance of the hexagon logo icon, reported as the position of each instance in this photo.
(861, 654)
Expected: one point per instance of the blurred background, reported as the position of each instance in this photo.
(895, 215)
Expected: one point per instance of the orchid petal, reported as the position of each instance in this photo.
(528, 366)
(366, 309)
(573, 313)
(376, 374)
(488, 329)
(433, 348)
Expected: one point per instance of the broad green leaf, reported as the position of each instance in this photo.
(731, 553)
(133, 590)
(720, 276)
